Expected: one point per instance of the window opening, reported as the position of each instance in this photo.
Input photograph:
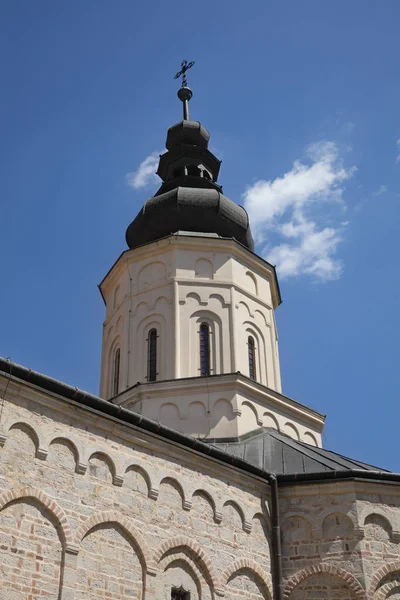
(152, 356)
(117, 360)
(179, 594)
(252, 358)
(204, 349)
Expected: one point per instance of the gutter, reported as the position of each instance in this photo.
(13, 370)
(327, 476)
(276, 554)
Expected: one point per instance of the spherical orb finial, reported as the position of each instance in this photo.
(184, 93)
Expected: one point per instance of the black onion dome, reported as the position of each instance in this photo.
(189, 199)
(190, 209)
(187, 132)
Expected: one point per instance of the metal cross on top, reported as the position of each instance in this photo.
(185, 66)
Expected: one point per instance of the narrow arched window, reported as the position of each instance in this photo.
(252, 358)
(179, 594)
(116, 365)
(152, 355)
(204, 349)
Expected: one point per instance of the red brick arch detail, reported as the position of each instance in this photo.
(250, 565)
(180, 541)
(380, 574)
(304, 574)
(45, 500)
(114, 517)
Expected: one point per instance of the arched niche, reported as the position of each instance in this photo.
(251, 283)
(309, 438)
(296, 529)
(291, 430)
(101, 467)
(32, 549)
(203, 268)
(105, 553)
(169, 415)
(22, 441)
(337, 526)
(222, 416)
(198, 420)
(151, 274)
(63, 454)
(321, 586)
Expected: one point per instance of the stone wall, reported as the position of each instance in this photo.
(340, 540)
(92, 509)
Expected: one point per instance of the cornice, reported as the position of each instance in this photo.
(201, 243)
(232, 382)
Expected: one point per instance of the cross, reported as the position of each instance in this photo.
(185, 66)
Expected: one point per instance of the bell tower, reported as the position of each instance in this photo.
(190, 338)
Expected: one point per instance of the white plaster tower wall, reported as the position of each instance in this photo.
(174, 286)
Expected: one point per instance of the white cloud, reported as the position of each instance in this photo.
(145, 174)
(398, 150)
(289, 207)
(382, 189)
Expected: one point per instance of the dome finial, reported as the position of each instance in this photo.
(185, 93)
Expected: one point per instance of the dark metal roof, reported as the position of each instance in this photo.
(189, 199)
(256, 452)
(277, 453)
(190, 209)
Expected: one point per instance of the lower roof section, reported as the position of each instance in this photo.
(264, 452)
(277, 453)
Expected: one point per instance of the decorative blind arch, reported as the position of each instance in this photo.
(204, 349)
(152, 355)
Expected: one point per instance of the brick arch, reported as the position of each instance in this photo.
(383, 592)
(43, 499)
(114, 517)
(249, 565)
(327, 569)
(195, 548)
(380, 574)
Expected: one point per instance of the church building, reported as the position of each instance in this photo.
(191, 476)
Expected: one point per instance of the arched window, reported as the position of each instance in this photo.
(252, 358)
(204, 349)
(152, 355)
(179, 594)
(116, 365)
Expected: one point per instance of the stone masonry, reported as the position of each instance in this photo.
(92, 508)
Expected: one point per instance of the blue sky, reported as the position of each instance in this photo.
(302, 102)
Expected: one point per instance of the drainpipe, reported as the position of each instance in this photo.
(276, 554)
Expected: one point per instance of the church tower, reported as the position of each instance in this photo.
(190, 337)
